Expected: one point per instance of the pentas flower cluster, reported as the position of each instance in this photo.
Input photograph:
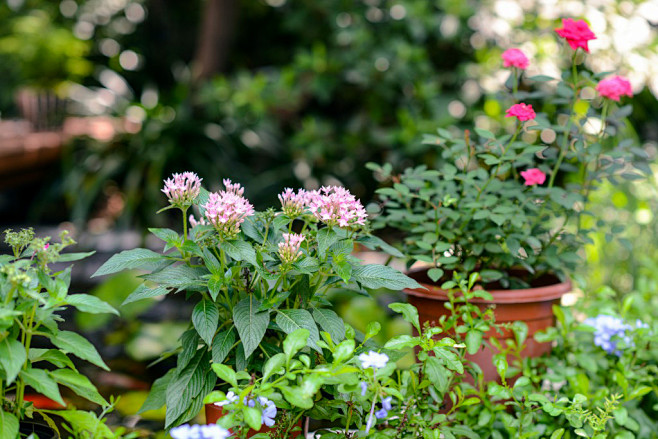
(515, 58)
(289, 249)
(210, 431)
(226, 210)
(521, 111)
(533, 176)
(194, 222)
(614, 88)
(336, 206)
(182, 189)
(610, 331)
(576, 32)
(294, 204)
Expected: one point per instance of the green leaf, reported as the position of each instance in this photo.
(186, 386)
(221, 345)
(12, 358)
(75, 344)
(435, 274)
(437, 374)
(54, 356)
(330, 322)
(225, 373)
(90, 304)
(205, 318)
(373, 242)
(326, 238)
(252, 416)
(240, 251)
(87, 424)
(167, 235)
(274, 364)
(291, 320)
(212, 263)
(557, 434)
(40, 381)
(401, 342)
(144, 292)
(295, 341)
(137, 258)
(343, 269)
(294, 396)
(80, 384)
(409, 313)
(179, 277)
(250, 323)
(70, 257)
(473, 341)
(449, 358)
(344, 350)
(380, 276)
(8, 424)
(500, 361)
(157, 396)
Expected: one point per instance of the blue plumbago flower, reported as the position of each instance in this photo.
(386, 403)
(231, 397)
(609, 331)
(364, 388)
(373, 359)
(269, 411)
(210, 431)
(380, 414)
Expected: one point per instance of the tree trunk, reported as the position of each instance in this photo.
(218, 22)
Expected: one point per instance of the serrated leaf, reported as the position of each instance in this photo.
(186, 386)
(380, 276)
(137, 258)
(291, 320)
(40, 381)
(221, 345)
(12, 358)
(144, 292)
(80, 384)
(77, 345)
(326, 238)
(157, 396)
(240, 251)
(179, 277)
(250, 323)
(90, 304)
(205, 318)
(330, 322)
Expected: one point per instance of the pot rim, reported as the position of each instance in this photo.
(547, 293)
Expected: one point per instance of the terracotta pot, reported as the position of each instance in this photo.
(214, 413)
(534, 306)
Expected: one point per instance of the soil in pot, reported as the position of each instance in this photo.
(42, 431)
(533, 306)
(215, 412)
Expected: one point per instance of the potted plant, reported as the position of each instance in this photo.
(255, 277)
(31, 295)
(514, 206)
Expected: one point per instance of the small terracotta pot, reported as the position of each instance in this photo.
(534, 306)
(215, 412)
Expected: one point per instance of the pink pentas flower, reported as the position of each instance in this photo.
(521, 111)
(194, 222)
(515, 58)
(226, 210)
(577, 33)
(336, 206)
(614, 88)
(294, 204)
(182, 189)
(533, 176)
(289, 249)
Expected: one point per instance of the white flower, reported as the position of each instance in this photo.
(231, 397)
(373, 359)
(210, 431)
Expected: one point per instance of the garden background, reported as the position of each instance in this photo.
(100, 100)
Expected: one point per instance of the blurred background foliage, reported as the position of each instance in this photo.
(300, 93)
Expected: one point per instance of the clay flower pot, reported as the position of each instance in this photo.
(533, 306)
(215, 412)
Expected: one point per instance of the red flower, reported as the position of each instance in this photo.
(515, 58)
(614, 88)
(577, 33)
(521, 111)
(533, 176)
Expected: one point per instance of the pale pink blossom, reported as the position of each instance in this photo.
(335, 205)
(515, 58)
(521, 111)
(577, 33)
(182, 189)
(226, 210)
(533, 176)
(289, 249)
(614, 88)
(294, 204)
(194, 222)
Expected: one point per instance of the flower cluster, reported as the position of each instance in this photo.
(610, 330)
(386, 406)
(226, 210)
(614, 88)
(194, 222)
(576, 32)
(521, 111)
(515, 58)
(268, 407)
(182, 189)
(294, 204)
(373, 359)
(289, 249)
(533, 176)
(210, 431)
(335, 205)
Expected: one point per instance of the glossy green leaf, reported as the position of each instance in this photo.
(250, 323)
